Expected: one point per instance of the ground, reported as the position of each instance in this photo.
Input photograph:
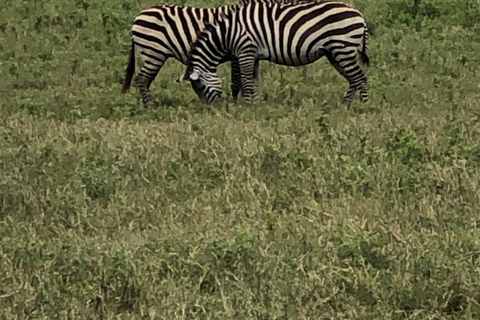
(296, 207)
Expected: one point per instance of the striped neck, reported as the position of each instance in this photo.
(210, 48)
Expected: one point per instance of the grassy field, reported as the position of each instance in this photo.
(296, 207)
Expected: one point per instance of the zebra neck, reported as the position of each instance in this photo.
(209, 51)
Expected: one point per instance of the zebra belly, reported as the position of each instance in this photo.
(294, 61)
(291, 55)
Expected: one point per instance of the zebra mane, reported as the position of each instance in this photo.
(245, 2)
(235, 7)
(200, 35)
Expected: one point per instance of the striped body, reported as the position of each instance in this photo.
(167, 31)
(287, 34)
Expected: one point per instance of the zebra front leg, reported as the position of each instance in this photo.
(236, 79)
(145, 78)
(247, 69)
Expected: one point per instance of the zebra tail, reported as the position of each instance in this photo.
(130, 70)
(363, 53)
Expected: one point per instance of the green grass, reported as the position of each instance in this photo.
(294, 208)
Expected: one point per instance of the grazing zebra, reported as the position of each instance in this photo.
(287, 34)
(165, 31)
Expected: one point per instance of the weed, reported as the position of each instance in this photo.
(296, 207)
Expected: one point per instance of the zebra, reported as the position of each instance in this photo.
(287, 34)
(165, 30)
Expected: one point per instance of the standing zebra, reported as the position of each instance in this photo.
(287, 34)
(165, 31)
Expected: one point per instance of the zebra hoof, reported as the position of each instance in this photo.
(363, 97)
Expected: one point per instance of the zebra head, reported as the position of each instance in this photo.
(207, 85)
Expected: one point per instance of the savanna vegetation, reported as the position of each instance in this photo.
(296, 207)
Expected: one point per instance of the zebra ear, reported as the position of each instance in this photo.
(187, 76)
(193, 76)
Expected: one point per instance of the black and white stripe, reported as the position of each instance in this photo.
(288, 34)
(164, 31)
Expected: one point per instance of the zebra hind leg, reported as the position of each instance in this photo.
(348, 97)
(359, 84)
(349, 68)
(363, 88)
(145, 78)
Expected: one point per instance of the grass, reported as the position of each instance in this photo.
(294, 208)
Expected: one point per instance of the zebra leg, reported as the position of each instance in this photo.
(255, 72)
(249, 85)
(349, 68)
(351, 90)
(236, 77)
(146, 76)
(335, 64)
(236, 84)
(363, 88)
